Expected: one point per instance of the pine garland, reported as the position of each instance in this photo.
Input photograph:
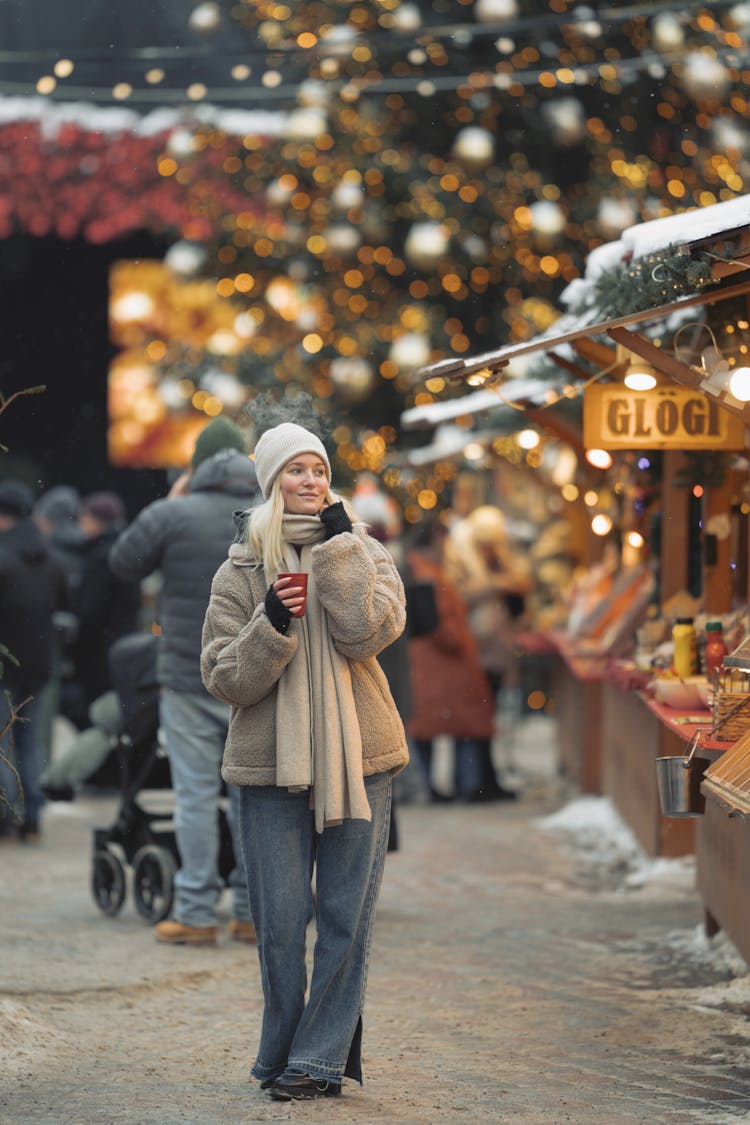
(651, 281)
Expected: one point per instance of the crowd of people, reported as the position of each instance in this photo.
(307, 644)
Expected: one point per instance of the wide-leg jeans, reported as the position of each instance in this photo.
(195, 725)
(321, 1034)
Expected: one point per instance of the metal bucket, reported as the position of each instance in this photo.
(679, 783)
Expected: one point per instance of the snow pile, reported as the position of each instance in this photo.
(695, 948)
(608, 848)
(731, 995)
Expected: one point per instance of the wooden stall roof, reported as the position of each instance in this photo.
(691, 229)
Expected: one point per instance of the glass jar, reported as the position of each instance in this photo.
(685, 659)
(716, 648)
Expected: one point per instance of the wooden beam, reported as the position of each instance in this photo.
(568, 365)
(597, 353)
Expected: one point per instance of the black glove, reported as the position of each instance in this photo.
(335, 520)
(277, 613)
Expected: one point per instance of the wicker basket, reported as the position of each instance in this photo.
(730, 705)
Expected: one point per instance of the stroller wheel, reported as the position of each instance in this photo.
(107, 881)
(153, 882)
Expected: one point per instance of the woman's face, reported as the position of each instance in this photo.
(304, 485)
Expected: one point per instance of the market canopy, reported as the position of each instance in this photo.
(683, 234)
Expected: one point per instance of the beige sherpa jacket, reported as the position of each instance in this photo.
(243, 656)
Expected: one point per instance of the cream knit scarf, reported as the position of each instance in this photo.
(318, 740)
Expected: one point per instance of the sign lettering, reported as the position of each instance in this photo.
(668, 417)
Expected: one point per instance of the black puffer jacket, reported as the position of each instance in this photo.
(186, 538)
(32, 588)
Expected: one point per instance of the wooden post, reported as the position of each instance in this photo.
(717, 576)
(674, 528)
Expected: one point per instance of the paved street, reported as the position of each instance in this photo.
(520, 974)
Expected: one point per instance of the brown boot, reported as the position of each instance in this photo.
(242, 931)
(176, 933)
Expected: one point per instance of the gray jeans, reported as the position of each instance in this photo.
(195, 729)
(321, 1034)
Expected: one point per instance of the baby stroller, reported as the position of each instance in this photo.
(143, 839)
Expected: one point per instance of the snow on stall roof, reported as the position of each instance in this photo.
(604, 257)
(636, 242)
(688, 226)
(532, 390)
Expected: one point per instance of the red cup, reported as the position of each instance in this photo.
(298, 579)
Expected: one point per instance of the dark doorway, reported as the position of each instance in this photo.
(54, 301)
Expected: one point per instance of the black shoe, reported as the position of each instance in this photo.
(29, 832)
(294, 1086)
(58, 792)
(490, 793)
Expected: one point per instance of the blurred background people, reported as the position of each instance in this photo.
(32, 589)
(56, 513)
(186, 537)
(106, 606)
(450, 693)
(494, 581)
(383, 518)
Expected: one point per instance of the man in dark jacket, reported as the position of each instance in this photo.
(32, 589)
(186, 537)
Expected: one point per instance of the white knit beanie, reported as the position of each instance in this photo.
(277, 446)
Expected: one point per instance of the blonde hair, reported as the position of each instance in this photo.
(265, 536)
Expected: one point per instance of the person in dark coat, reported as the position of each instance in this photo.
(56, 514)
(32, 589)
(107, 606)
(186, 536)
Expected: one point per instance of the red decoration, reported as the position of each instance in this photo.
(99, 186)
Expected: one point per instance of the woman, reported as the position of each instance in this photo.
(450, 692)
(493, 582)
(314, 739)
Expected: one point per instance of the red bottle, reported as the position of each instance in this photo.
(716, 649)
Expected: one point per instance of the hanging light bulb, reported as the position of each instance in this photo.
(640, 376)
(739, 384)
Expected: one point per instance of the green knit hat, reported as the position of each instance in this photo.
(220, 433)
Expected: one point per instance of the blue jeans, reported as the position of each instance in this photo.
(321, 1036)
(23, 745)
(195, 729)
(467, 766)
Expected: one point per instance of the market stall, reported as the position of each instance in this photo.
(654, 342)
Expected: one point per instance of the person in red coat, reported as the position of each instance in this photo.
(450, 693)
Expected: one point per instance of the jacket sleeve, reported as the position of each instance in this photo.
(242, 655)
(362, 592)
(138, 549)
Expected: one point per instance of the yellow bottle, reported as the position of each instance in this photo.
(685, 658)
